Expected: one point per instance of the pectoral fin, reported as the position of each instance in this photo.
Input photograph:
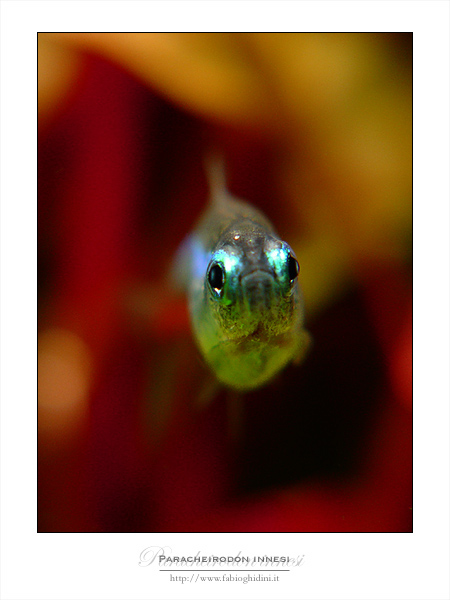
(304, 344)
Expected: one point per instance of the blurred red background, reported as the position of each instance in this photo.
(316, 131)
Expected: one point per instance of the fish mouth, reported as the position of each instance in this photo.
(263, 335)
(260, 332)
(256, 270)
(258, 290)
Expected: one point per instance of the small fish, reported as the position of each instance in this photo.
(245, 302)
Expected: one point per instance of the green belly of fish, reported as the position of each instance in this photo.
(249, 364)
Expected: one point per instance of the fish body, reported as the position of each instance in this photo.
(245, 302)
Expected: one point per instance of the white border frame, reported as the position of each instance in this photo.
(105, 566)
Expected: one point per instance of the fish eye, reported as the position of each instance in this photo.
(216, 277)
(293, 268)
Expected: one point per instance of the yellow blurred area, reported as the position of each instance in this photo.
(337, 105)
(208, 73)
(64, 378)
(58, 68)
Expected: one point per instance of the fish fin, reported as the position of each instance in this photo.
(180, 271)
(162, 388)
(208, 391)
(235, 413)
(304, 345)
(215, 172)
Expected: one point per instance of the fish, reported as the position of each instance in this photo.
(242, 281)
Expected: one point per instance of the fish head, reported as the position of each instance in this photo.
(252, 284)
